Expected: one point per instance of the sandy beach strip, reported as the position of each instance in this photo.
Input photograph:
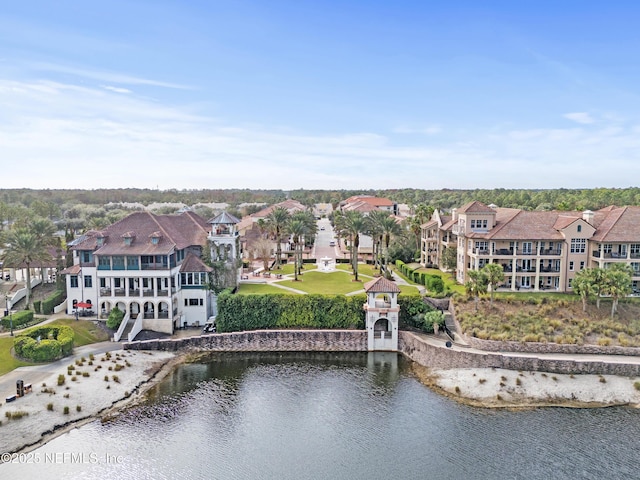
(495, 387)
(111, 382)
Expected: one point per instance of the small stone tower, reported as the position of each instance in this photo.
(382, 312)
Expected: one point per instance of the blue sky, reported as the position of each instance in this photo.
(329, 95)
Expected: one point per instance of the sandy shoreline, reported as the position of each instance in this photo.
(500, 388)
(137, 372)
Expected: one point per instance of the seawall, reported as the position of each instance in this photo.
(410, 344)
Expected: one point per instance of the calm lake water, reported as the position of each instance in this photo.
(333, 416)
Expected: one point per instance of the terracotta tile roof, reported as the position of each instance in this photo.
(172, 231)
(374, 201)
(359, 206)
(292, 206)
(475, 207)
(381, 285)
(192, 263)
(72, 270)
(619, 224)
(515, 224)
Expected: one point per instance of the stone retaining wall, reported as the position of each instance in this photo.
(539, 347)
(263, 341)
(433, 356)
(409, 344)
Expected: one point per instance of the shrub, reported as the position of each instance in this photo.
(50, 407)
(636, 385)
(18, 319)
(49, 303)
(66, 410)
(54, 342)
(78, 408)
(61, 379)
(36, 306)
(115, 318)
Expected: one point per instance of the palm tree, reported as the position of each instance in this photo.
(355, 224)
(476, 285)
(296, 228)
(618, 283)
(43, 229)
(389, 228)
(583, 286)
(301, 226)
(276, 223)
(494, 274)
(374, 230)
(23, 248)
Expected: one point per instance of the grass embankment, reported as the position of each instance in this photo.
(85, 332)
(554, 318)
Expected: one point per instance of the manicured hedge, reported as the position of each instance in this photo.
(53, 300)
(251, 312)
(21, 317)
(55, 342)
(272, 311)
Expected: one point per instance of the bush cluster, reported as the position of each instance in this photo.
(20, 318)
(434, 283)
(55, 342)
(115, 318)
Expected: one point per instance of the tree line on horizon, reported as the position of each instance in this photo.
(527, 199)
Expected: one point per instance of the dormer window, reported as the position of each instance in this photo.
(128, 238)
(99, 241)
(155, 238)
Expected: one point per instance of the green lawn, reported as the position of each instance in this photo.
(338, 282)
(260, 288)
(363, 269)
(7, 362)
(85, 331)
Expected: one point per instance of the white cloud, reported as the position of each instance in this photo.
(116, 89)
(61, 135)
(580, 117)
(104, 76)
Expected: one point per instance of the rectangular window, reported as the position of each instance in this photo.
(88, 281)
(193, 302)
(635, 249)
(571, 266)
(201, 302)
(117, 262)
(133, 263)
(527, 248)
(473, 224)
(73, 281)
(581, 265)
(86, 257)
(578, 245)
(103, 283)
(484, 224)
(104, 263)
(570, 282)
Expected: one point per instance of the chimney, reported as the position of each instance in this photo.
(454, 214)
(587, 216)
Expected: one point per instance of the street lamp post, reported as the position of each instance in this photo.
(8, 304)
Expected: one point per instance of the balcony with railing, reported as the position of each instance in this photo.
(105, 291)
(163, 314)
(147, 292)
(120, 292)
(163, 293)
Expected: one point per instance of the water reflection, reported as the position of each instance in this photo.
(351, 416)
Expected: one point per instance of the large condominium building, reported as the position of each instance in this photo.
(151, 268)
(537, 250)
